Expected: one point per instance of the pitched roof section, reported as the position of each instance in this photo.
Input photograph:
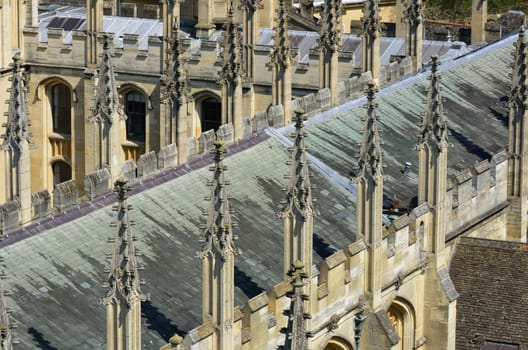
(42, 267)
(474, 91)
(492, 287)
(17, 125)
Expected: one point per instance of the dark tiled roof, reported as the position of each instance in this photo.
(492, 280)
(56, 275)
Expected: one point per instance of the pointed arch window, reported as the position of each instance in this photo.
(61, 172)
(60, 102)
(136, 111)
(211, 114)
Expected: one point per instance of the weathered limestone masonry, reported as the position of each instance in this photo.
(518, 168)
(123, 297)
(479, 17)
(15, 146)
(371, 38)
(281, 63)
(218, 256)
(231, 75)
(413, 16)
(329, 42)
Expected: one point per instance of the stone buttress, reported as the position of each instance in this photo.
(371, 38)
(518, 134)
(369, 205)
(218, 257)
(107, 117)
(230, 76)
(330, 42)
(17, 140)
(123, 296)
(413, 17)
(282, 63)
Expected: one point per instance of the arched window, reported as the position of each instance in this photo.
(60, 103)
(401, 316)
(61, 172)
(211, 114)
(338, 344)
(136, 111)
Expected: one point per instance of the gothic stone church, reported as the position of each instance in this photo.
(337, 201)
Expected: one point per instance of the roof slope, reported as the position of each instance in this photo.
(474, 92)
(493, 300)
(56, 276)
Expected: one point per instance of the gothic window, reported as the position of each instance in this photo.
(211, 114)
(136, 111)
(61, 172)
(60, 103)
(402, 318)
(338, 344)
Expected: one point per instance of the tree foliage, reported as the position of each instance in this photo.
(460, 10)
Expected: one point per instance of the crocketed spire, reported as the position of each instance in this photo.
(330, 35)
(371, 18)
(296, 334)
(370, 155)
(106, 105)
(219, 239)
(232, 63)
(434, 122)
(123, 278)
(299, 190)
(281, 54)
(413, 12)
(519, 92)
(174, 78)
(6, 337)
(17, 126)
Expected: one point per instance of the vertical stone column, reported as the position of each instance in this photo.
(231, 77)
(432, 147)
(401, 27)
(517, 228)
(16, 142)
(94, 25)
(371, 38)
(205, 25)
(123, 296)
(330, 41)
(281, 63)
(413, 16)
(218, 256)
(479, 17)
(369, 181)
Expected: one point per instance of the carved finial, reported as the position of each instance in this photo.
(519, 91)
(231, 72)
(434, 122)
(413, 12)
(296, 334)
(281, 53)
(299, 195)
(370, 155)
(330, 35)
(123, 278)
(17, 125)
(371, 18)
(219, 239)
(107, 105)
